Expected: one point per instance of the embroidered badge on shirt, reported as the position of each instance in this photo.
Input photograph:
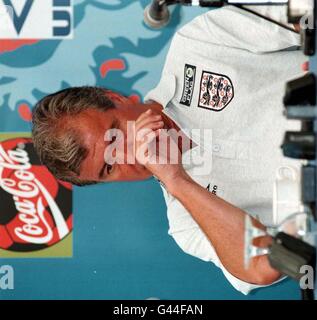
(216, 91)
(189, 83)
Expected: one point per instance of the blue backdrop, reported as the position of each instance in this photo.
(121, 246)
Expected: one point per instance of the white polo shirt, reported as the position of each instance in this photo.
(226, 71)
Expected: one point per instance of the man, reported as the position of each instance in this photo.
(225, 72)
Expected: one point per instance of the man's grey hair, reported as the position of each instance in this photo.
(59, 146)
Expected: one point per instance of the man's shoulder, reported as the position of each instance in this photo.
(235, 27)
(223, 14)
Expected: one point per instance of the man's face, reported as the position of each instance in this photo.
(93, 125)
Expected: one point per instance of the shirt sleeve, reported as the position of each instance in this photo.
(192, 240)
(234, 27)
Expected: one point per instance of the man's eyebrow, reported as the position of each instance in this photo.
(114, 125)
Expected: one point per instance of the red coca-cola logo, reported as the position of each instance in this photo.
(35, 207)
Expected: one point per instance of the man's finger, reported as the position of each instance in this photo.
(145, 114)
(305, 66)
(142, 133)
(145, 150)
(146, 120)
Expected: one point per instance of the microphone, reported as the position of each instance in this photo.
(156, 14)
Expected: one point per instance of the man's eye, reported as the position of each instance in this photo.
(109, 168)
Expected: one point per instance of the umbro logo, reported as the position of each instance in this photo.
(189, 84)
(213, 190)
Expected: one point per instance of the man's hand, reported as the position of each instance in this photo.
(222, 223)
(156, 149)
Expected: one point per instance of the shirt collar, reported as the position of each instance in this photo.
(164, 92)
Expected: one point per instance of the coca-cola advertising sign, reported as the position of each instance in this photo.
(35, 207)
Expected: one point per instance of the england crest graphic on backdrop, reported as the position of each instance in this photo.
(216, 91)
